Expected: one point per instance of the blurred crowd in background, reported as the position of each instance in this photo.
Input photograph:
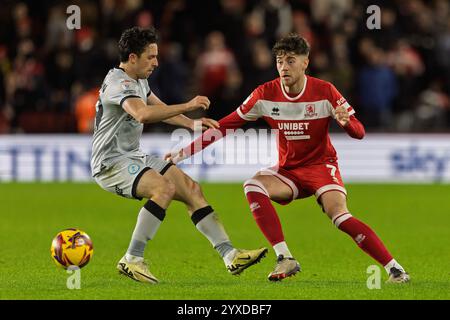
(396, 77)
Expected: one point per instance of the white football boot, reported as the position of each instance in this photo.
(397, 276)
(136, 270)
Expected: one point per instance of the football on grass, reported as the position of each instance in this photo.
(72, 247)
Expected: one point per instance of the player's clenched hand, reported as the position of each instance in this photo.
(204, 123)
(197, 103)
(175, 157)
(342, 115)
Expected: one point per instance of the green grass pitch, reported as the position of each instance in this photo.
(412, 220)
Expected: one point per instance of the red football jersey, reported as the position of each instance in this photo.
(303, 121)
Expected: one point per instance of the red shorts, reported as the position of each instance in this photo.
(309, 180)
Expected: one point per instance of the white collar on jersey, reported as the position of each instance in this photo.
(298, 96)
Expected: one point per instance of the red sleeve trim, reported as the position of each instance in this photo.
(355, 128)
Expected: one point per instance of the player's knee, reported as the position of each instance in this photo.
(333, 203)
(195, 190)
(335, 208)
(170, 189)
(255, 185)
(249, 182)
(165, 190)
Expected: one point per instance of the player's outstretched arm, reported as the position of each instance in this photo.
(181, 120)
(349, 123)
(144, 113)
(226, 125)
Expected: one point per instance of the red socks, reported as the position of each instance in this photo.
(364, 237)
(263, 211)
(269, 223)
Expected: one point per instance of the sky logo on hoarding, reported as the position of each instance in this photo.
(422, 160)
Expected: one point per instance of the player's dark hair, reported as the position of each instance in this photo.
(135, 40)
(291, 43)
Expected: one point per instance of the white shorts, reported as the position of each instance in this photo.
(123, 176)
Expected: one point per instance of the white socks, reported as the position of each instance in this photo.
(391, 264)
(208, 223)
(149, 219)
(228, 258)
(281, 248)
(133, 259)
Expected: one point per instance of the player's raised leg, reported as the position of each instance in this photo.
(335, 206)
(259, 191)
(207, 222)
(160, 192)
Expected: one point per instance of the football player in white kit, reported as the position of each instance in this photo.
(119, 166)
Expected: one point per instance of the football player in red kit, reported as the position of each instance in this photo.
(301, 108)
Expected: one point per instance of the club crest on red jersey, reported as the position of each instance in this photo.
(310, 111)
